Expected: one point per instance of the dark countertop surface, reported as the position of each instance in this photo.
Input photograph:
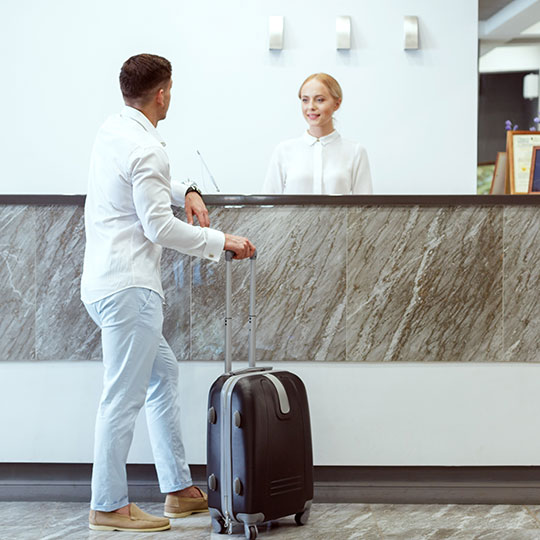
(322, 200)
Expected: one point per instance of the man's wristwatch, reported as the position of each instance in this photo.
(193, 187)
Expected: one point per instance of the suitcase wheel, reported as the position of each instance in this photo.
(218, 525)
(250, 531)
(302, 517)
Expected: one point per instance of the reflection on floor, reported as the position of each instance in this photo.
(69, 521)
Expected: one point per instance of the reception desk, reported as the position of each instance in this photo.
(412, 320)
(340, 279)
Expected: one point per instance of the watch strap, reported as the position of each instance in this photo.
(193, 188)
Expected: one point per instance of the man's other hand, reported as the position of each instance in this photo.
(241, 246)
(195, 206)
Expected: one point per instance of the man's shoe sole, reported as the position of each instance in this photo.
(111, 528)
(184, 514)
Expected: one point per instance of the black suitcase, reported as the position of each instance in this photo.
(259, 454)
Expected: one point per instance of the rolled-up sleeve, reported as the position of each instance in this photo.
(152, 200)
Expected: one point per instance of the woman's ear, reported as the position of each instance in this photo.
(338, 105)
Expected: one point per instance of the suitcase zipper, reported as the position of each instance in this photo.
(226, 461)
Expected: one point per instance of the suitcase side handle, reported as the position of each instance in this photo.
(252, 315)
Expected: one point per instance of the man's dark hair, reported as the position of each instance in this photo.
(143, 73)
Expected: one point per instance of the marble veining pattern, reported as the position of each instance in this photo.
(64, 330)
(176, 280)
(521, 283)
(69, 521)
(424, 284)
(17, 283)
(300, 286)
(356, 284)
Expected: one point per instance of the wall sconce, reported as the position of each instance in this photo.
(275, 32)
(343, 33)
(410, 32)
(530, 86)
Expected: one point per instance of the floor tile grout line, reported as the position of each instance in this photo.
(381, 536)
(530, 512)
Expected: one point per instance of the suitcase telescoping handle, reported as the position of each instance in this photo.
(252, 315)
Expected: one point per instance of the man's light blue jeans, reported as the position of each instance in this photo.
(140, 369)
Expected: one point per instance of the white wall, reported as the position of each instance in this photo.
(233, 99)
(372, 414)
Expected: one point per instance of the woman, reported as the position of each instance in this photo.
(320, 161)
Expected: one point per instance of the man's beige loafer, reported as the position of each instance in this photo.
(179, 507)
(137, 521)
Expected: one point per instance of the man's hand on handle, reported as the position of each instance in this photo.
(241, 246)
(195, 206)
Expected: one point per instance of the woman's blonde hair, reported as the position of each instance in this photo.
(331, 84)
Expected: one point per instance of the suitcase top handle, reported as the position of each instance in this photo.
(230, 254)
(228, 319)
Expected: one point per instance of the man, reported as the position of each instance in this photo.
(128, 218)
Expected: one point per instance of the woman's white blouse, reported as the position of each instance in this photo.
(329, 165)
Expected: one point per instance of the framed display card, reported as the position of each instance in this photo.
(519, 147)
(534, 178)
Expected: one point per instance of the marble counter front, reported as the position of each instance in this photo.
(340, 279)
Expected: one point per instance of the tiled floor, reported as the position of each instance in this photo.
(69, 521)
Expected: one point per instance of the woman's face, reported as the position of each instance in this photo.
(318, 105)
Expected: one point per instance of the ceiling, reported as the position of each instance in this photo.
(508, 22)
(487, 8)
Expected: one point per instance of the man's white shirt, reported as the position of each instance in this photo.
(128, 214)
